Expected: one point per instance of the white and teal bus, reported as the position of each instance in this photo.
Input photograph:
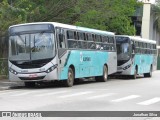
(50, 51)
(135, 56)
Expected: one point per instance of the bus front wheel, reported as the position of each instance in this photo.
(104, 77)
(69, 82)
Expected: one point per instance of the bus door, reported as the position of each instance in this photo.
(62, 50)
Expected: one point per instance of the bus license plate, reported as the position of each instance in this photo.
(32, 75)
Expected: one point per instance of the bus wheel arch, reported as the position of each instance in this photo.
(151, 67)
(136, 68)
(73, 68)
(106, 65)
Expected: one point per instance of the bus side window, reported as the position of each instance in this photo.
(60, 37)
(70, 35)
(91, 42)
(111, 39)
(89, 37)
(98, 42)
(84, 42)
(98, 38)
(151, 48)
(71, 39)
(136, 44)
(81, 36)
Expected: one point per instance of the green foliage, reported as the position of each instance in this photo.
(110, 15)
(3, 67)
(9, 16)
(92, 20)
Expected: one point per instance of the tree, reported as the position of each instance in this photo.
(111, 15)
(9, 16)
(43, 11)
(156, 12)
(22, 11)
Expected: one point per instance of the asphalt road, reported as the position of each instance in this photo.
(122, 94)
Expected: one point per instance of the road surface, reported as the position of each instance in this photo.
(122, 94)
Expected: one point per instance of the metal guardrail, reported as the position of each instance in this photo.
(3, 66)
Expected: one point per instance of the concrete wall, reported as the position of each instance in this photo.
(148, 19)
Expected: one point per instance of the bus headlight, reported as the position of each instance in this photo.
(13, 71)
(51, 68)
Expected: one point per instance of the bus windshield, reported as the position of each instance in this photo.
(34, 46)
(123, 48)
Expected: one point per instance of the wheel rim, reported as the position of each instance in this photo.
(70, 77)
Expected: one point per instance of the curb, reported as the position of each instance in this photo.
(5, 88)
(5, 84)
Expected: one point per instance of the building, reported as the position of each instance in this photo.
(144, 21)
(148, 29)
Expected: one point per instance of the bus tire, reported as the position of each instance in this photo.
(148, 74)
(30, 84)
(70, 80)
(104, 77)
(135, 74)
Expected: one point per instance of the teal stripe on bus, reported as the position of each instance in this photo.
(86, 63)
(143, 62)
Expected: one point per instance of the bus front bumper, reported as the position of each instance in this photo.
(43, 76)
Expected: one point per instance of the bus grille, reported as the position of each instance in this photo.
(31, 64)
(34, 78)
(121, 62)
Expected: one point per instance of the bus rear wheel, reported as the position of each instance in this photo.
(30, 84)
(70, 81)
(104, 77)
(148, 74)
